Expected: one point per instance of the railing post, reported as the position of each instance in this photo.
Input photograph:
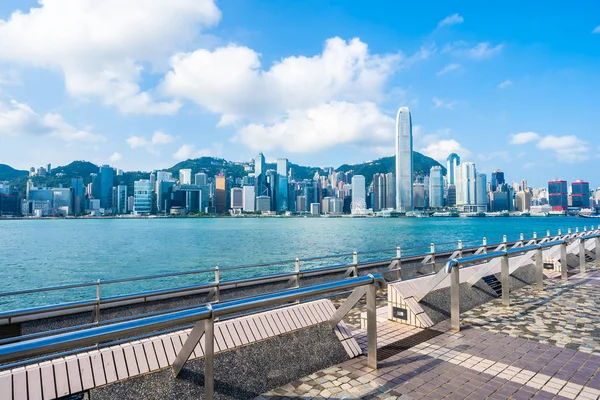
(522, 239)
(597, 250)
(535, 236)
(217, 284)
(582, 255)
(563, 261)
(97, 316)
(505, 247)
(455, 299)
(585, 228)
(355, 262)
(539, 268)
(560, 232)
(505, 280)
(371, 326)
(297, 270)
(209, 359)
(484, 244)
(576, 229)
(568, 231)
(432, 251)
(399, 265)
(460, 249)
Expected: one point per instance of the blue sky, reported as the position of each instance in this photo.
(144, 84)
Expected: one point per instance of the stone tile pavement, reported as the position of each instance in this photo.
(545, 346)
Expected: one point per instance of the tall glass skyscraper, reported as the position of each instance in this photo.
(452, 162)
(436, 187)
(260, 175)
(404, 162)
(107, 178)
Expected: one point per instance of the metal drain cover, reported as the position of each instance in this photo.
(394, 348)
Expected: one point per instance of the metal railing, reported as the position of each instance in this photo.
(213, 290)
(453, 267)
(204, 319)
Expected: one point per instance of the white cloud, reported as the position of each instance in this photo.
(451, 20)
(438, 103)
(448, 68)
(18, 119)
(596, 29)
(440, 149)
(231, 81)
(188, 151)
(158, 138)
(101, 48)
(484, 50)
(505, 84)
(115, 157)
(524, 137)
(321, 127)
(568, 148)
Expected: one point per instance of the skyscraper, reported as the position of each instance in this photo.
(580, 193)
(390, 191)
(185, 176)
(497, 179)
(404, 162)
(78, 195)
(481, 197)
(359, 195)
(260, 175)
(452, 163)
(142, 191)
(378, 192)
(107, 177)
(465, 185)
(221, 194)
(436, 187)
(282, 166)
(557, 193)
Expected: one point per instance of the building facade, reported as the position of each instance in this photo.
(404, 161)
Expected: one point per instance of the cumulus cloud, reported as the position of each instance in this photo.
(505, 84)
(321, 127)
(18, 119)
(231, 81)
(115, 157)
(568, 148)
(441, 149)
(438, 103)
(524, 137)
(158, 138)
(187, 151)
(101, 48)
(451, 20)
(448, 68)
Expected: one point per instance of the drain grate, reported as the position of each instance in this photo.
(392, 349)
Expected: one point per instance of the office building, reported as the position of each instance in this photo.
(142, 193)
(359, 193)
(336, 206)
(10, 203)
(163, 195)
(263, 203)
(436, 187)
(419, 196)
(481, 196)
(301, 204)
(390, 190)
(452, 163)
(404, 161)
(237, 198)
(465, 186)
(497, 179)
(557, 195)
(78, 195)
(248, 201)
(107, 179)
(185, 176)
(220, 194)
(580, 194)
(201, 179)
(523, 200)
(282, 194)
(282, 166)
(379, 192)
(122, 199)
(315, 208)
(260, 175)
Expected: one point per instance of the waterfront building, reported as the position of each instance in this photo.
(122, 199)
(248, 200)
(390, 190)
(10, 203)
(326, 205)
(162, 176)
(163, 195)
(315, 208)
(237, 198)
(497, 179)
(557, 195)
(282, 166)
(379, 192)
(185, 199)
(436, 187)
(404, 161)
(263, 203)
(272, 180)
(481, 194)
(185, 176)
(130, 203)
(452, 163)
(523, 200)
(260, 174)
(200, 179)
(142, 192)
(359, 195)
(451, 196)
(580, 192)
(107, 179)
(465, 186)
(220, 194)
(78, 195)
(282, 194)
(419, 195)
(336, 205)
(301, 204)
(62, 201)
(95, 187)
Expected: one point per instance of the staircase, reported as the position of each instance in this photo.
(493, 283)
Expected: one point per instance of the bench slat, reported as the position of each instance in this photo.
(150, 355)
(61, 377)
(108, 361)
(85, 370)
(74, 374)
(97, 367)
(19, 383)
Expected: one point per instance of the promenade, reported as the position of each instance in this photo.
(546, 345)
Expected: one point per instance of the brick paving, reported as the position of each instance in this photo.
(545, 346)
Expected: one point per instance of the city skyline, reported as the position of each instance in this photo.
(475, 89)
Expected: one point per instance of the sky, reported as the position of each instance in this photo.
(144, 84)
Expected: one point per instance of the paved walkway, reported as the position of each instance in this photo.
(544, 346)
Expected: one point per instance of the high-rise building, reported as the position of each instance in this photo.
(260, 174)
(237, 198)
(282, 194)
(451, 196)
(390, 190)
(523, 200)
(465, 185)
(580, 192)
(163, 195)
(220, 194)
(62, 201)
(282, 166)
(497, 179)
(359, 195)
(201, 179)
(272, 181)
(263, 203)
(481, 196)
(452, 163)
(301, 204)
(419, 195)
(122, 199)
(142, 193)
(557, 195)
(436, 187)
(78, 195)
(404, 162)
(185, 176)
(248, 201)
(379, 192)
(107, 179)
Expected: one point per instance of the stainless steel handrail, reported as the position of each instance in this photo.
(204, 318)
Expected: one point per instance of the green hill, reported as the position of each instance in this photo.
(8, 173)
